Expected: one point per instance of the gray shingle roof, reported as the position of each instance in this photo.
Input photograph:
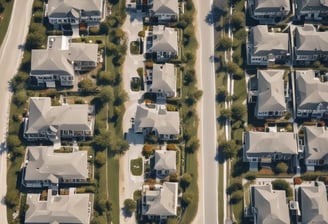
(310, 91)
(309, 41)
(272, 5)
(45, 164)
(165, 160)
(270, 142)
(164, 79)
(165, 6)
(165, 122)
(60, 8)
(265, 42)
(271, 91)
(164, 39)
(162, 202)
(50, 60)
(271, 205)
(43, 116)
(312, 5)
(314, 204)
(317, 141)
(71, 208)
(83, 52)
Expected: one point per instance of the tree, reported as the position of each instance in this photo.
(192, 144)
(106, 94)
(229, 149)
(130, 205)
(236, 197)
(282, 185)
(238, 111)
(186, 199)
(13, 142)
(1, 8)
(86, 85)
(103, 28)
(232, 67)
(281, 167)
(100, 158)
(102, 140)
(225, 43)
(225, 114)
(185, 180)
(221, 95)
(237, 19)
(34, 41)
(147, 150)
(106, 78)
(234, 186)
(101, 206)
(20, 97)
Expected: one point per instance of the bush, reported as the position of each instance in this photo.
(282, 185)
(147, 150)
(186, 199)
(298, 180)
(250, 175)
(236, 197)
(185, 180)
(86, 85)
(130, 205)
(281, 168)
(234, 186)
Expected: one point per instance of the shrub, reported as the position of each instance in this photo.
(185, 180)
(281, 168)
(186, 199)
(130, 205)
(250, 175)
(234, 186)
(282, 185)
(236, 197)
(147, 150)
(297, 180)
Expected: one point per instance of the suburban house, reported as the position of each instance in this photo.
(162, 79)
(158, 121)
(161, 202)
(58, 64)
(164, 11)
(313, 203)
(165, 163)
(47, 122)
(268, 11)
(271, 94)
(266, 47)
(50, 69)
(267, 147)
(312, 9)
(162, 44)
(73, 12)
(72, 208)
(310, 45)
(315, 147)
(46, 168)
(311, 95)
(268, 205)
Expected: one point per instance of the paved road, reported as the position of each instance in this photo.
(209, 190)
(10, 58)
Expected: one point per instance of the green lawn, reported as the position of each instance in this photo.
(113, 188)
(6, 19)
(191, 167)
(136, 166)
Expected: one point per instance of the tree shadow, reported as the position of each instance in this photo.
(214, 15)
(126, 213)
